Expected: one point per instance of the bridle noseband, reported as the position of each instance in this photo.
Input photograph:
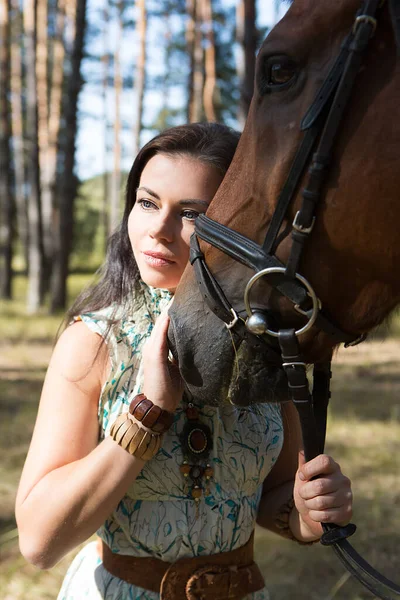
(321, 126)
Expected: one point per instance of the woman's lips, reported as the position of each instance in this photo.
(156, 259)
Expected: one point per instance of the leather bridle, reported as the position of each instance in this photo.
(321, 125)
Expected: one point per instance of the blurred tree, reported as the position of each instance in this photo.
(247, 44)
(50, 76)
(42, 91)
(16, 87)
(35, 251)
(115, 182)
(67, 190)
(105, 60)
(196, 110)
(190, 43)
(6, 193)
(224, 19)
(210, 81)
(140, 80)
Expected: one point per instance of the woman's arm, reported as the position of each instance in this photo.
(69, 484)
(321, 492)
(278, 485)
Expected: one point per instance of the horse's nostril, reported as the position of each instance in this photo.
(257, 323)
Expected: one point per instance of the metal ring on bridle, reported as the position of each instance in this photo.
(312, 294)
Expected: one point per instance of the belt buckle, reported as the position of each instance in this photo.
(203, 578)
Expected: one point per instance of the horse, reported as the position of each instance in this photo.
(353, 253)
(310, 204)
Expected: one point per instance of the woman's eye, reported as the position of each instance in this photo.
(279, 72)
(146, 204)
(190, 214)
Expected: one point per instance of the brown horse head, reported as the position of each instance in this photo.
(352, 257)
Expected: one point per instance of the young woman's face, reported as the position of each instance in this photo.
(172, 192)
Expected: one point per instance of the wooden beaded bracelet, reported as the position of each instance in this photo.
(134, 439)
(150, 415)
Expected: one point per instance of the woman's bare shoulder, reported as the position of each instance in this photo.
(81, 356)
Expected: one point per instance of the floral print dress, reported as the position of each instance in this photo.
(157, 517)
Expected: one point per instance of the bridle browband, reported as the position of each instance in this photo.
(321, 126)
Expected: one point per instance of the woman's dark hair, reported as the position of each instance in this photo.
(213, 144)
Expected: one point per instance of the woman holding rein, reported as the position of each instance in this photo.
(160, 480)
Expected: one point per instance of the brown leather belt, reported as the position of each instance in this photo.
(225, 576)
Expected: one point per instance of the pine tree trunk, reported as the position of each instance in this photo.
(42, 79)
(6, 194)
(35, 253)
(140, 73)
(106, 66)
(190, 38)
(210, 84)
(164, 115)
(17, 129)
(116, 174)
(49, 169)
(68, 181)
(247, 41)
(196, 109)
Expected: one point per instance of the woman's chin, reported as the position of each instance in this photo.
(159, 280)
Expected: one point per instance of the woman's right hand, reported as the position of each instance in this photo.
(162, 381)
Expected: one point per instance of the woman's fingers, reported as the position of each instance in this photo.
(339, 516)
(320, 465)
(323, 486)
(324, 493)
(157, 344)
(329, 501)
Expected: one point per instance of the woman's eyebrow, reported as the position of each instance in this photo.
(191, 201)
(148, 191)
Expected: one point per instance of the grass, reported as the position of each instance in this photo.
(363, 435)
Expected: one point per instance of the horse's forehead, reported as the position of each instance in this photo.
(309, 16)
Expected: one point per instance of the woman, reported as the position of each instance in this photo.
(160, 480)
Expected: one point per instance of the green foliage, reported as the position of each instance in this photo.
(89, 243)
(89, 237)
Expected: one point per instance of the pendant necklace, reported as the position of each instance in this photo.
(196, 441)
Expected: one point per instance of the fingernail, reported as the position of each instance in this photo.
(301, 476)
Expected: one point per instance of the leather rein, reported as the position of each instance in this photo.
(321, 125)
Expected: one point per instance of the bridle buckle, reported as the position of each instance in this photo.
(301, 228)
(365, 19)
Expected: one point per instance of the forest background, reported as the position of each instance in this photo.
(83, 84)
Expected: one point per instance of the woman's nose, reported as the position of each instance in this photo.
(162, 229)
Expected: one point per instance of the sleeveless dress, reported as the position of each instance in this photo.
(157, 517)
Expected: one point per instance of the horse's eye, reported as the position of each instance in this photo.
(278, 73)
(282, 71)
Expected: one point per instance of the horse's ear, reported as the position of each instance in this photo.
(394, 7)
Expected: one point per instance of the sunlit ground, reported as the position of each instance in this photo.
(363, 435)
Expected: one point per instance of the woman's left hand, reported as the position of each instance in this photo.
(322, 494)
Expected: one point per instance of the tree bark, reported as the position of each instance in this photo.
(140, 83)
(247, 40)
(68, 181)
(106, 66)
(190, 38)
(116, 174)
(42, 83)
(18, 129)
(6, 195)
(35, 263)
(48, 169)
(210, 83)
(196, 107)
